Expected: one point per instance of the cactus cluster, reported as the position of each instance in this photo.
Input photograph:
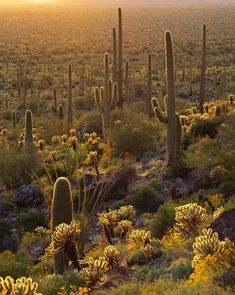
(22, 286)
(207, 243)
(111, 254)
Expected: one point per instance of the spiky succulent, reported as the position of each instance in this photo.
(108, 221)
(65, 235)
(22, 286)
(125, 227)
(217, 173)
(139, 238)
(148, 250)
(111, 255)
(191, 218)
(217, 213)
(207, 243)
(95, 271)
(126, 213)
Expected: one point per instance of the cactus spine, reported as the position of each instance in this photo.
(61, 212)
(70, 115)
(106, 98)
(28, 129)
(203, 71)
(120, 82)
(114, 55)
(13, 120)
(149, 85)
(171, 119)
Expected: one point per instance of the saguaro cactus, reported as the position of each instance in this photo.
(14, 120)
(61, 212)
(203, 71)
(106, 98)
(28, 129)
(55, 101)
(114, 55)
(171, 119)
(127, 84)
(61, 112)
(120, 81)
(149, 85)
(70, 114)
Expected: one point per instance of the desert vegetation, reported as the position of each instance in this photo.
(117, 150)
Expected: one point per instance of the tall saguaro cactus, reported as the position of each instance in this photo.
(114, 78)
(203, 71)
(120, 70)
(127, 84)
(106, 98)
(28, 130)
(14, 124)
(70, 114)
(170, 118)
(55, 100)
(149, 85)
(61, 212)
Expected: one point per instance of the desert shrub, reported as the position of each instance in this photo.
(16, 167)
(5, 227)
(203, 128)
(29, 221)
(137, 257)
(230, 204)
(182, 271)
(163, 220)
(226, 134)
(134, 134)
(52, 284)
(227, 185)
(144, 198)
(89, 122)
(6, 115)
(10, 266)
(150, 273)
(84, 103)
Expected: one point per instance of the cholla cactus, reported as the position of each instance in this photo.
(217, 213)
(65, 235)
(217, 174)
(92, 158)
(191, 218)
(148, 250)
(55, 140)
(108, 220)
(22, 286)
(126, 213)
(94, 273)
(73, 142)
(125, 227)
(139, 238)
(207, 243)
(111, 254)
(72, 132)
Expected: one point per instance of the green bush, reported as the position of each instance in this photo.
(163, 220)
(29, 221)
(144, 198)
(16, 167)
(89, 122)
(150, 273)
(203, 128)
(134, 134)
(182, 271)
(137, 257)
(84, 103)
(10, 266)
(5, 227)
(51, 285)
(227, 185)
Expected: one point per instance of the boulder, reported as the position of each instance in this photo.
(28, 196)
(224, 225)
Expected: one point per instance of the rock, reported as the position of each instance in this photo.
(4, 210)
(11, 241)
(28, 196)
(181, 188)
(224, 225)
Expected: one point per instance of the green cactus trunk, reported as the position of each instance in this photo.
(55, 101)
(61, 212)
(70, 114)
(29, 130)
(61, 112)
(120, 71)
(127, 88)
(114, 56)
(149, 86)
(171, 116)
(203, 72)
(14, 124)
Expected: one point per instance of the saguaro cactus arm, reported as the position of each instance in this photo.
(158, 111)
